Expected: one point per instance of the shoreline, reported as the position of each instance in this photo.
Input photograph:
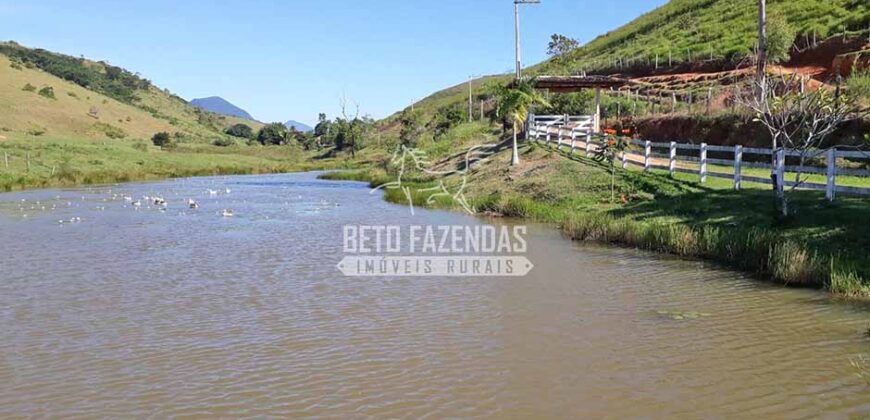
(777, 260)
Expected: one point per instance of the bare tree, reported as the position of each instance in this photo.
(351, 131)
(799, 120)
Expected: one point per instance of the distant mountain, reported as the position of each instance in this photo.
(298, 125)
(220, 106)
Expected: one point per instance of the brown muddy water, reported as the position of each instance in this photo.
(150, 313)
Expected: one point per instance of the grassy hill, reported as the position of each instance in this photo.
(91, 112)
(701, 29)
(725, 30)
(67, 120)
(821, 246)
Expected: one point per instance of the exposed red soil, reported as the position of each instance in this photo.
(821, 65)
(833, 57)
(726, 130)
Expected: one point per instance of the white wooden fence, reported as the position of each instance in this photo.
(693, 158)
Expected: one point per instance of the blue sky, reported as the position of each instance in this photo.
(290, 59)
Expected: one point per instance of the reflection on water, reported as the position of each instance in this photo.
(117, 310)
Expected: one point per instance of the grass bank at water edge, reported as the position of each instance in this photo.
(58, 162)
(766, 251)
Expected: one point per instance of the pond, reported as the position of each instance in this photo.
(121, 310)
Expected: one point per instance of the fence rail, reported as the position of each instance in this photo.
(649, 155)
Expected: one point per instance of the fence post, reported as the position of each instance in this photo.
(738, 163)
(647, 150)
(672, 165)
(573, 141)
(624, 160)
(780, 170)
(709, 99)
(559, 139)
(588, 144)
(6, 159)
(831, 189)
(27, 157)
(703, 162)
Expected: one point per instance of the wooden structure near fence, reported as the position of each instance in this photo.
(579, 132)
(568, 84)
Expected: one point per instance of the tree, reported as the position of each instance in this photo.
(161, 139)
(576, 103)
(780, 38)
(322, 127)
(412, 127)
(241, 130)
(447, 118)
(560, 45)
(349, 129)
(273, 134)
(798, 120)
(514, 103)
(610, 151)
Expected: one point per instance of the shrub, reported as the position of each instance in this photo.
(780, 37)
(29, 88)
(412, 127)
(275, 133)
(161, 139)
(110, 131)
(224, 142)
(446, 118)
(72, 95)
(241, 130)
(47, 92)
(141, 146)
(858, 84)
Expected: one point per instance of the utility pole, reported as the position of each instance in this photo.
(515, 156)
(519, 57)
(470, 103)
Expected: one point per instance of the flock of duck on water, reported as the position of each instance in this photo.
(161, 203)
(151, 201)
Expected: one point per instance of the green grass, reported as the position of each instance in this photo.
(821, 246)
(727, 28)
(55, 161)
(724, 29)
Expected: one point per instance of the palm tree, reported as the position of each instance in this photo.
(514, 103)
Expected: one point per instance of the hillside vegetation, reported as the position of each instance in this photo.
(93, 100)
(695, 30)
(822, 245)
(681, 30)
(67, 121)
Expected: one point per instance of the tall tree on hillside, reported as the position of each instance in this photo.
(514, 103)
(273, 134)
(780, 38)
(560, 45)
(241, 130)
(412, 127)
